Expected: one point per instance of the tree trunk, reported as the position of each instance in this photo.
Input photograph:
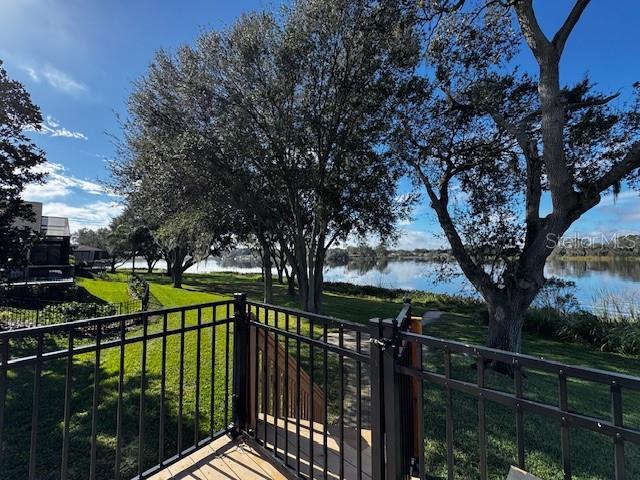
(133, 264)
(318, 279)
(113, 264)
(266, 273)
(177, 267)
(176, 276)
(505, 326)
(291, 282)
(167, 259)
(298, 261)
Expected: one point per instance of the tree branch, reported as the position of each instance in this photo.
(629, 163)
(561, 36)
(536, 39)
(475, 273)
(592, 102)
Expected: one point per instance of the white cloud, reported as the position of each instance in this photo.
(92, 215)
(57, 185)
(63, 81)
(52, 127)
(56, 78)
(412, 239)
(32, 73)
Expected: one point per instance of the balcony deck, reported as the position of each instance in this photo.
(226, 459)
(243, 458)
(43, 275)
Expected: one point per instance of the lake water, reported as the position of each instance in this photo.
(592, 278)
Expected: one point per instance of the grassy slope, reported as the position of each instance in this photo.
(20, 386)
(592, 455)
(110, 292)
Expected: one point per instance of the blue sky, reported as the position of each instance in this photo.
(78, 59)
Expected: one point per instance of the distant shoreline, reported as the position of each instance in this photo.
(595, 258)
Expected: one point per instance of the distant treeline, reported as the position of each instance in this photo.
(341, 256)
(614, 246)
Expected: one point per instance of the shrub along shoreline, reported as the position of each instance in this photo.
(553, 320)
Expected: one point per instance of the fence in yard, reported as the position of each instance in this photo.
(24, 313)
(125, 396)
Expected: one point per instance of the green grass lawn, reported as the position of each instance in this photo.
(14, 461)
(110, 292)
(591, 454)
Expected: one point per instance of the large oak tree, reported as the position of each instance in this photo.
(306, 104)
(277, 123)
(489, 143)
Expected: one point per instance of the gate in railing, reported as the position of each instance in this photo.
(392, 366)
(125, 396)
(310, 414)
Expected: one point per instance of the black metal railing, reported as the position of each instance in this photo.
(125, 396)
(25, 313)
(114, 397)
(308, 390)
(567, 417)
(34, 274)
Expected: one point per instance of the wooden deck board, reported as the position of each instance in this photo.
(244, 458)
(333, 448)
(223, 459)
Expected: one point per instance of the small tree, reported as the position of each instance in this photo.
(117, 245)
(18, 159)
(488, 142)
(98, 238)
(187, 238)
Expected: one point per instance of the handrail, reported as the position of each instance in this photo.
(315, 316)
(294, 370)
(64, 327)
(154, 341)
(552, 366)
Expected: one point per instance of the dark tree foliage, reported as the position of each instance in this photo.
(273, 130)
(306, 104)
(144, 244)
(18, 158)
(488, 143)
(163, 170)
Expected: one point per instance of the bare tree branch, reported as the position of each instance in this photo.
(471, 269)
(536, 39)
(561, 36)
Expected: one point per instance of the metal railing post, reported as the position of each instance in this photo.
(391, 392)
(240, 403)
(377, 400)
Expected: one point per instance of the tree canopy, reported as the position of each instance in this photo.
(488, 142)
(279, 123)
(19, 157)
